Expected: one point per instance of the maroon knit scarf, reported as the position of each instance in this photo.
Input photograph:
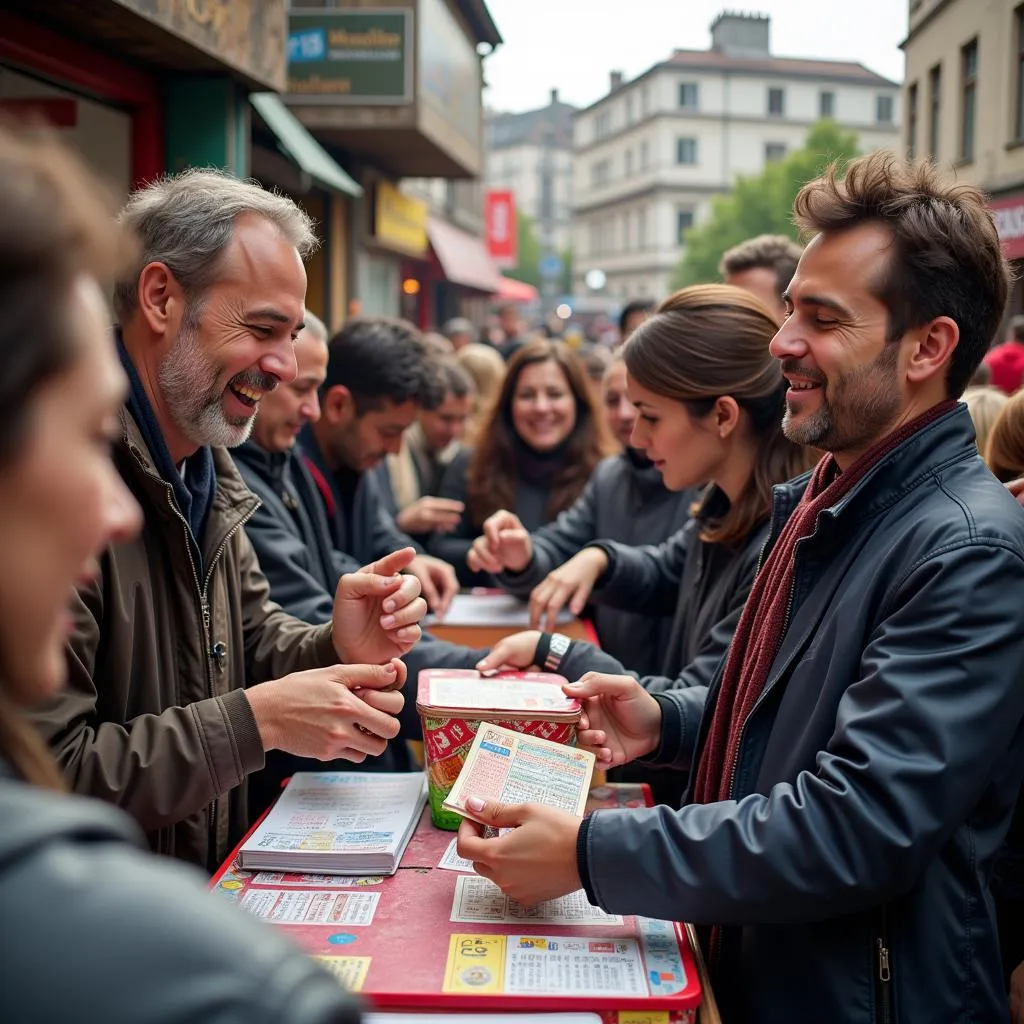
(763, 623)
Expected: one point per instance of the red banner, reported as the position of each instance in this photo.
(500, 227)
(1009, 217)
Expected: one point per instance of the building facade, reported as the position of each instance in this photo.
(531, 154)
(963, 104)
(651, 154)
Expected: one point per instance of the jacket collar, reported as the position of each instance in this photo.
(269, 465)
(948, 439)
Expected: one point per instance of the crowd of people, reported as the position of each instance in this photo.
(787, 502)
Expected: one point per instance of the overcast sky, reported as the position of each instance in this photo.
(571, 45)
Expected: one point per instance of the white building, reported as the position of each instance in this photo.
(531, 154)
(650, 155)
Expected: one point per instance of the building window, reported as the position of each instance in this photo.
(968, 94)
(627, 231)
(645, 101)
(629, 163)
(912, 121)
(826, 104)
(774, 152)
(934, 109)
(883, 109)
(645, 153)
(776, 102)
(686, 151)
(629, 110)
(599, 173)
(684, 221)
(603, 124)
(641, 229)
(1020, 73)
(688, 95)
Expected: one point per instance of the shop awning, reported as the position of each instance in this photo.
(301, 146)
(512, 290)
(463, 257)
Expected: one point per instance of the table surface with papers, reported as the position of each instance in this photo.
(437, 937)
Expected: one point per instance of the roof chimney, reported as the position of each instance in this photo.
(554, 96)
(616, 81)
(741, 35)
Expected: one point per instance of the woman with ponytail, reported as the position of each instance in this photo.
(710, 399)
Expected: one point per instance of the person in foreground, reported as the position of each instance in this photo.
(183, 671)
(858, 754)
(140, 938)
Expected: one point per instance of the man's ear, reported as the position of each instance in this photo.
(933, 350)
(337, 405)
(161, 300)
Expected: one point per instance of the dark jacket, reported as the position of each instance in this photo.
(708, 583)
(533, 496)
(624, 501)
(290, 535)
(877, 773)
(365, 530)
(143, 940)
(154, 717)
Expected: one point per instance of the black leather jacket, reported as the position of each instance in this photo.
(877, 773)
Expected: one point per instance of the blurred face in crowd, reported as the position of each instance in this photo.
(447, 422)
(234, 344)
(543, 406)
(510, 321)
(284, 411)
(846, 382)
(762, 282)
(633, 321)
(618, 409)
(63, 501)
(686, 449)
(359, 441)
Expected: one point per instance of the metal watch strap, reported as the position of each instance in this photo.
(560, 644)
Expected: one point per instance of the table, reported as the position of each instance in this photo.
(421, 891)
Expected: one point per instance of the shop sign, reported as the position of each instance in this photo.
(1009, 218)
(359, 56)
(500, 227)
(400, 221)
(449, 72)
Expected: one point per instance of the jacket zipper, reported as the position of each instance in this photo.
(884, 972)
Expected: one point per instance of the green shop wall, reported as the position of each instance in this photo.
(207, 124)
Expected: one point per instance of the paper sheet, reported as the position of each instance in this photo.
(298, 881)
(451, 861)
(519, 696)
(574, 966)
(479, 901)
(290, 906)
(492, 1018)
(511, 768)
(351, 971)
(490, 610)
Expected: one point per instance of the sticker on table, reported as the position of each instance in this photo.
(479, 901)
(279, 878)
(644, 1017)
(351, 971)
(476, 963)
(451, 861)
(290, 906)
(666, 975)
(573, 965)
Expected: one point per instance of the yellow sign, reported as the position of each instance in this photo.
(476, 963)
(400, 220)
(351, 971)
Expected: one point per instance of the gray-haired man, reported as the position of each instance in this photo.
(178, 623)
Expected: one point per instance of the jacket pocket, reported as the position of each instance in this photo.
(885, 1010)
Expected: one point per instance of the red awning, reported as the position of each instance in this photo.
(512, 290)
(463, 257)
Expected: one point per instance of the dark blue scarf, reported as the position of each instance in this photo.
(193, 492)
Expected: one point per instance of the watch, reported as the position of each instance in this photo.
(560, 644)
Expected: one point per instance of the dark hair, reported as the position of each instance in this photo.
(596, 359)
(56, 223)
(447, 378)
(709, 341)
(379, 359)
(1017, 327)
(773, 252)
(491, 474)
(945, 258)
(636, 306)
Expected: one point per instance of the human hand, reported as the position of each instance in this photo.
(438, 581)
(504, 544)
(344, 711)
(621, 721)
(534, 862)
(516, 651)
(572, 581)
(428, 514)
(377, 611)
(1016, 487)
